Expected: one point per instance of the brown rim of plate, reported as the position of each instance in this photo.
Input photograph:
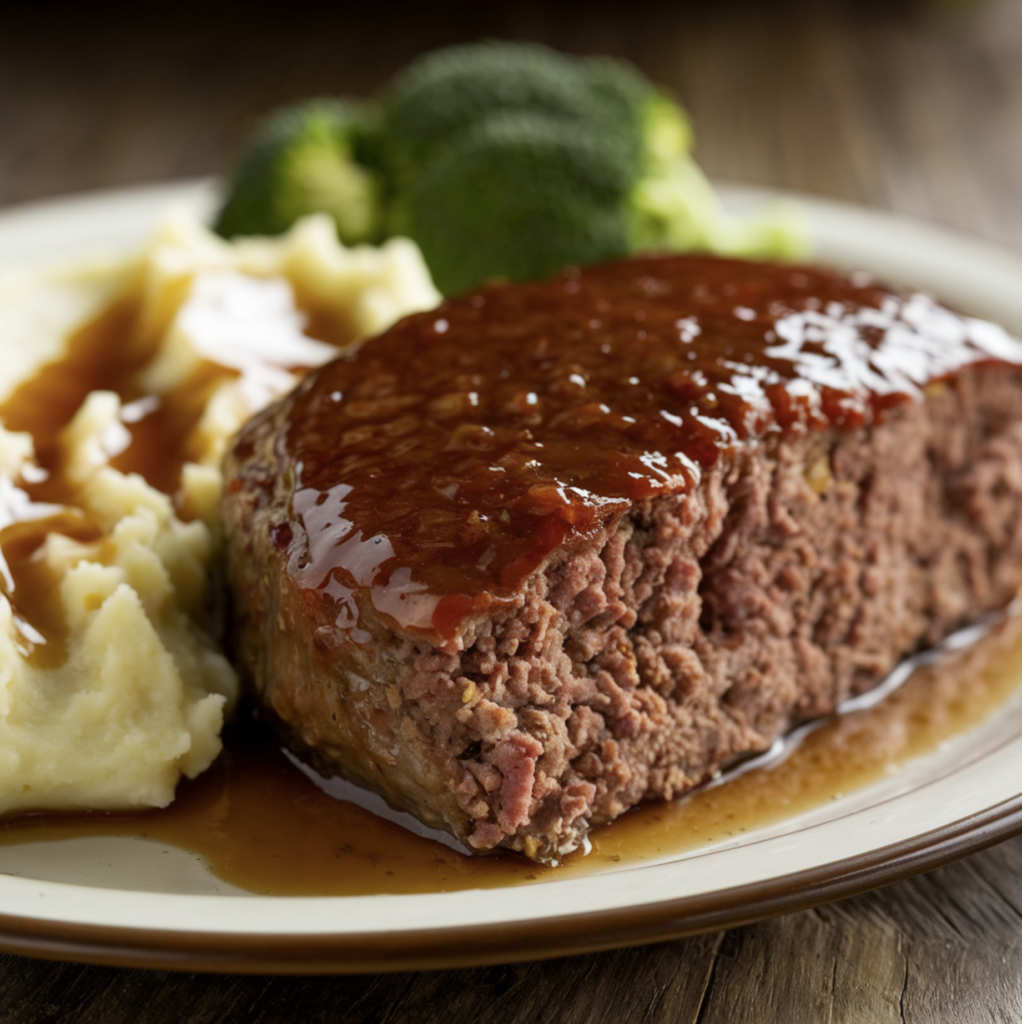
(535, 939)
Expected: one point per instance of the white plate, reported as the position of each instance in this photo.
(126, 902)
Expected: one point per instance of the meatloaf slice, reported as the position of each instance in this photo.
(551, 550)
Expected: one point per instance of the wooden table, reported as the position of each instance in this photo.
(916, 109)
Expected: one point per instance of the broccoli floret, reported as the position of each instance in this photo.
(511, 160)
(673, 207)
(300, 160)
(443, 95)
(501, 160)
(517, 197)
(651, 123)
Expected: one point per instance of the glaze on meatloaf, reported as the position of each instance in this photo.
(553, 549)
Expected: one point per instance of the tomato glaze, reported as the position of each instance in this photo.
(438, 466)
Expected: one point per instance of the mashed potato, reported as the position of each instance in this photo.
(139, 691)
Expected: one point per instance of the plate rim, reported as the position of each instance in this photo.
(536, 937)
(210, 951)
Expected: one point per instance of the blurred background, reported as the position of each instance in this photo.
(914, 106)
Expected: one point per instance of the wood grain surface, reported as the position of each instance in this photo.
(911, 107)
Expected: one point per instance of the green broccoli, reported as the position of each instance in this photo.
(501, 160)
(300, 160)
(433, 102)
(517, 197)
(511, 160)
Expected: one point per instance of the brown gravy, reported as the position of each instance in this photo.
(108, 353)
(263, 826)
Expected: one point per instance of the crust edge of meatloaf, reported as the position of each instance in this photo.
(692, 631)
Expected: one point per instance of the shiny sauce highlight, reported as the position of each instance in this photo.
(440, 465)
